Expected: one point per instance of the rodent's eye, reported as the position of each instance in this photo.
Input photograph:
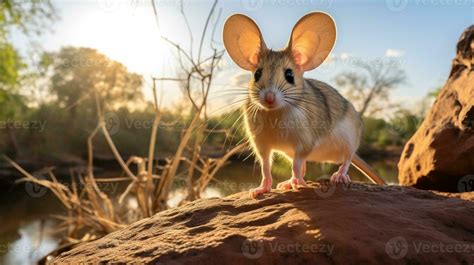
(290, 78)
(257, 74)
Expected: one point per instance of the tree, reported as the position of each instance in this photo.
(31, 19)
(405, 123)
(369, 87)
(10, 65)
(78, 75)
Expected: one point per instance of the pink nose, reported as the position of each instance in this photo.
(270, 98)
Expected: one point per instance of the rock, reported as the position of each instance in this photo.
(321, 224)
(440, 155)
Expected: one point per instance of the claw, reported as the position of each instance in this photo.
(338, 177)
(265, 187)
(292, 183)
(254, 193)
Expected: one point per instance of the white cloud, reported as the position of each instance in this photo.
(334, 57)
(394, 53)
(345, 55)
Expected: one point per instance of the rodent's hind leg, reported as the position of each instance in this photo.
(341, 176)
(266, 184)
(297, 178)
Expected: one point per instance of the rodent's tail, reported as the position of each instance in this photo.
(363, 167)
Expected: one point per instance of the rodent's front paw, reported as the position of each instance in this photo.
(254, 193)
(292, 183)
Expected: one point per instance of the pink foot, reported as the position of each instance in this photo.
(265, 186)
(292, 183)
(338, 177)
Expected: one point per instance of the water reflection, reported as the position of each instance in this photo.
(34, 243)
(242, 176)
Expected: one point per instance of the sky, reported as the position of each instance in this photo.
(420, 34)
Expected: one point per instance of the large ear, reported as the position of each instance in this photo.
(312, 40)
(243, 41)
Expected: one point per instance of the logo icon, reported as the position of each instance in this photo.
(466, 183)
(326, 189)
(109, 5)
(397, 247)
(34, 189)
(252, 5)
(112, 123)
(396, 5)
(256, 123)
(252, 249)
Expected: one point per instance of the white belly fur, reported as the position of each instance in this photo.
(337, 147)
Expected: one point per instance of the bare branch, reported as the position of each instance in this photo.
(205, 29)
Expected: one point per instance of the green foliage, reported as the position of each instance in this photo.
(80, 74)
(372, 135)
(379, 134)
(405, 124)
(434, 93)
(30, 18)
(131, 132)
(11, 105)
(10, 65)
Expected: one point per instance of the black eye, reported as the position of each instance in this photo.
(257, 74)
(290, 78)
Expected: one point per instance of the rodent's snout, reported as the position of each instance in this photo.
(269, 97)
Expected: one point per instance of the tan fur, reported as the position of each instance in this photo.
(303, 119)
(317, 122)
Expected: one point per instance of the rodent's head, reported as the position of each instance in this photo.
(278, 75)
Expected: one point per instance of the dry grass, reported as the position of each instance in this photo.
(91, 213)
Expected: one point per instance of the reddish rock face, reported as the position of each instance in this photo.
(321, 224)
(440, 155)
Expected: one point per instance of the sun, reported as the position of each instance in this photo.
(127, 33)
